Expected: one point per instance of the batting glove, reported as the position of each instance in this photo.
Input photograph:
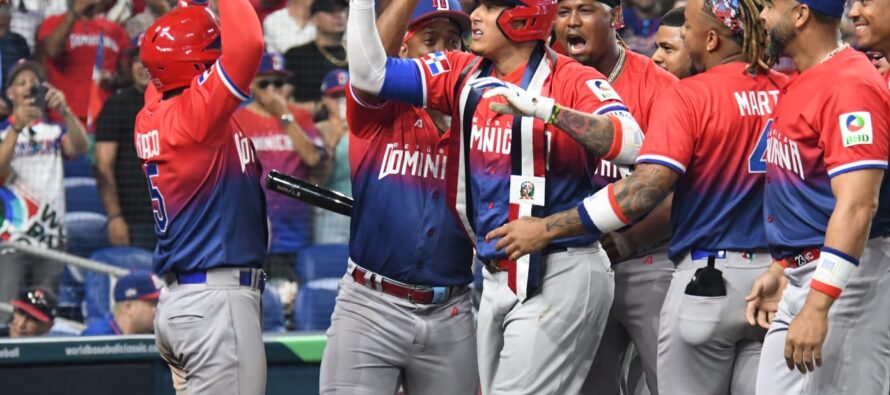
(519, 101)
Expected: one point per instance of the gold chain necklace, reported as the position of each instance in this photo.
(330, 57)
(618, 65)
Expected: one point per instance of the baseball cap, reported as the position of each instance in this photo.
(328, 6)
(833, 8)
(23, 65)
(136, 285)
(38, 303)
(272, 63)
(334, 82)
(429, 10)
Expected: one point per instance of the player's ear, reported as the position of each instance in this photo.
(713, 41)
(802, 16)
(617, 18)
(403, 51)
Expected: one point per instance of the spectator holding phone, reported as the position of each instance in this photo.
(31, 150)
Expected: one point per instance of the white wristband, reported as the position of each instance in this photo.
(833, 272)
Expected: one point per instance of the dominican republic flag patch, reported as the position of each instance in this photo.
(437, 62)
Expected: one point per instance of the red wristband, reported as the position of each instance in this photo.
(617, 138)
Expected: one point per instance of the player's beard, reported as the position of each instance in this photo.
(779, 37)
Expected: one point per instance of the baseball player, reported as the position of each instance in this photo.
(872, 30)
(670, 53)
(586, 31)
(500, 167)
(827, 154)
(210, 214)
(704, 142)
(403, 314)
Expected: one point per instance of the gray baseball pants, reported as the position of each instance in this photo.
(378, 342)
(705, 345)
(546, 344)
(856, 352)
(211, 335)
(640, 288)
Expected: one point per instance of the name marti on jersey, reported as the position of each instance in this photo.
(756, 102)
(412, 161)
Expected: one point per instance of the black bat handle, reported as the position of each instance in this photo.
(309, 193)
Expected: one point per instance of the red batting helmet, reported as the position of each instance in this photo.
(529, 20)
(180, 45)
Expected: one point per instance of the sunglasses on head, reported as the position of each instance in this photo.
(278, 83)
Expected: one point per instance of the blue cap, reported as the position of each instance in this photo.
(335, 81)
(272, 63)
(430, 9)
(136, 285)
(833, 8)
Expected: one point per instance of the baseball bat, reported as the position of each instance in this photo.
(309, 193)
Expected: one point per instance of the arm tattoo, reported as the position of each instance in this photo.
(639, 193)
(565, 224)
(593, 132)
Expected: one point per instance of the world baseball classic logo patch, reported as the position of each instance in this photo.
(856, 128)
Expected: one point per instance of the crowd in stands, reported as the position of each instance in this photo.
(72, 84)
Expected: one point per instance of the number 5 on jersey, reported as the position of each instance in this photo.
(157, 199)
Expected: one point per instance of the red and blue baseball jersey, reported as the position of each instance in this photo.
(832, 119)
(709, 128)
(203, 176)
(571, 84)
(402, 227)
(639, 83)
(289, 219)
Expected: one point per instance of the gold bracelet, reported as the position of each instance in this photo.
(556, 109)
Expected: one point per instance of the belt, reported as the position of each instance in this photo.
(503, 264)
(802, 257)
(420, 294)
(252, 278)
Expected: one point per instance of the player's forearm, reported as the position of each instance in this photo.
(597, 134)
(856, 195)
(653, 229)
(242, 41)
(625, 201)
(392, 24)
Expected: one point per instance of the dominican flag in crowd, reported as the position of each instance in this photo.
(95, 104)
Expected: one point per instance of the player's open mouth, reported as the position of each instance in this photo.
(860, 27)
(575, 43)
(476, 33)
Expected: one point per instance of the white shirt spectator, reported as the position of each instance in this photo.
(282, 32)
(37, 178)
(27, 15)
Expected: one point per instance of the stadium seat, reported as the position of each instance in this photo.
(86, 231)
(98, 286)
(321, 261)
(315, 304)
(273, 312)
(78, 167)
(81, 194)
